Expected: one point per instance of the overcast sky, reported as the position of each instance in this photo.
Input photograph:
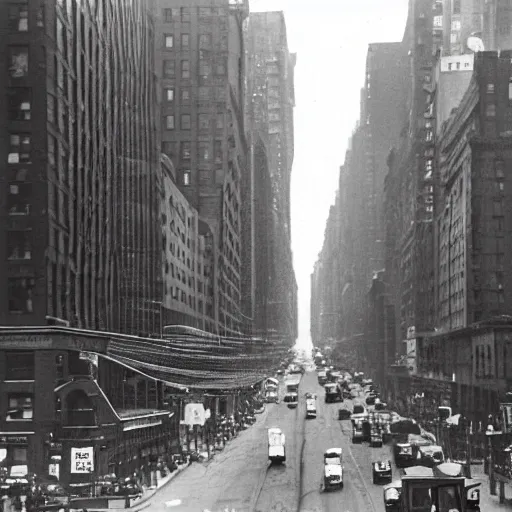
(330, 38)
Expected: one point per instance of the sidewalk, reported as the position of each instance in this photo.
(143, 502)
(487, 501)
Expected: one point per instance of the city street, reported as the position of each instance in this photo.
(240, 478)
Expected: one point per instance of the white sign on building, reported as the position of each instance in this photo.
(82, 460)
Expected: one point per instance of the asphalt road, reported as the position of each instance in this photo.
(240, 478)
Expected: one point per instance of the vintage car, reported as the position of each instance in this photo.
(376, 439)
(381, 471)
(344, 414)
(271, 397)
(360, 430)
(291, 400)
(311, 407)
(276, 446)
(392, 494)
(333, 469)
(332, 393)
(403, 453)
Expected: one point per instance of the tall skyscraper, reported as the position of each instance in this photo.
(79, 208)
(199, 55)
(271, 97)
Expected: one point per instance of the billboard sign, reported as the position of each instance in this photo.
(82, 459)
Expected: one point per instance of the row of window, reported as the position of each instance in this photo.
(205, 41)
(204, 122)
(205, 68)
(182, 14)
(204, 93)
(203, 151)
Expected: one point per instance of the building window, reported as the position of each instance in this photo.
(18, 17)
(185, 40)
(203, 121)
(219, 120)
(205, 41)
(169, 41)
(20, 294)
(185, 95)
(203, 151)
(185, 69)
(499, 169)
(490, 88)
(169, 94)
(218, 152)
(169, 69)
(18, 61)
(18, 245)
(185, 150)
(19, 148)
(19, 365)
(185, 121)
(490, 111)
(171, 14)
(220, 93)
(185, 14)
(20, 407)
(18, 104)
(18, 198)
(204, 93)
(186, 177)
(220, 69)
(169, 122)
(204, 68)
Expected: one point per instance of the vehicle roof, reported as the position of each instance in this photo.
(333, 451)
(419, 471)
(271, 379)
(333, 469)
(275, 430)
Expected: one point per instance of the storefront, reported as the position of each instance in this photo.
(15, 454)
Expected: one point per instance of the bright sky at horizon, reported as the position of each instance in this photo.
(331, 39)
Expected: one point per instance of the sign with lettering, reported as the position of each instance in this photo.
(82, 459)
(20, 341)
(13, 439)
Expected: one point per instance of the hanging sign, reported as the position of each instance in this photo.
(195, 414)
(82, 460)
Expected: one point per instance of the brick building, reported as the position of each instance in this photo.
(199, 58)
(80, 187)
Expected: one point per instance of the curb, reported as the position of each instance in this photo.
(142, 504)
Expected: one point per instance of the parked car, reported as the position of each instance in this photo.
(381, 471)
